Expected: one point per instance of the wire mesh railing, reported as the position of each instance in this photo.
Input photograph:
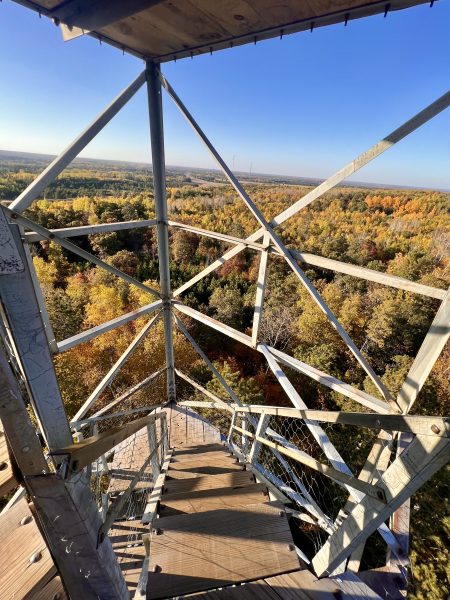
(123, 474)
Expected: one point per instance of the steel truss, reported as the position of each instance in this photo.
(372, 500)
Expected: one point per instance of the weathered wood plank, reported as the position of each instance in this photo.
(190, 450)
(205, 500)
(53, 590)
(202, 458)
(21, 540)
(234, 479)
(303, 585)
(191, 468)
(7, 479)
(186, 427)
(207, 550)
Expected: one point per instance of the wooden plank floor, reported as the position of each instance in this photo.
(7, 479)
(217, 535)
(205, 550)
(216, 525)
(21, 538)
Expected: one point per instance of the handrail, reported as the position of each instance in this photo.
(417, 424)
(87, 421)
(337, 476)
(86, 451)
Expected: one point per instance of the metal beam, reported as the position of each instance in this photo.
(428, 354)
(115, 368)
(129, 392)
(366, 157)
(408, 127)
(203, 390)
(303, 458)
(68, 536)
(423, 457)
(130, 411)
(263, 423)
(68, 232)
(86, 451)
(159, 185)
(368, 274)
(260, 292)
(417, 424)
(24, 200)
(202, 355)
(319, 376)
(52, 237)
(40, 299)
(279, 244)
(317, 432)
(90, 334)
(28, 337)
(215, 235)
(325, 263)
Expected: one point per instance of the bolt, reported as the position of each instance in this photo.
(435, 429)
(25, 449)
(13, 216)
(57, 596)
(291, 547)
(35, 557)
(26, 520)
(3, 465)
(281, 513)
(157, 569)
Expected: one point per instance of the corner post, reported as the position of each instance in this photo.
(159, 185)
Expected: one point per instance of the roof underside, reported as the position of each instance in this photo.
(165, 30)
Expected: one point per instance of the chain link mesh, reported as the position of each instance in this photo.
(319, 499)
(111, 474)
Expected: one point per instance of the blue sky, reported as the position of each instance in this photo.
(304, 105)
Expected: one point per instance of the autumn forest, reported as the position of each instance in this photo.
(403, 232)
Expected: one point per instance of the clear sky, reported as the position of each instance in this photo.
(304, 105)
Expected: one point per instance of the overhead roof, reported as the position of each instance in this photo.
(165, 30)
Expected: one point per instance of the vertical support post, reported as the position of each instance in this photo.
(28, 338)
(165, 437)
(105, 504)
(260, 292)
(101, 459)
(232, 424)
(263, 423)
(159, 185)
(88, 571)
(40, 298)
(151, 431)
(245, 440)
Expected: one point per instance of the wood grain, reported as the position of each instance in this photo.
(20, 578)
(205, 500)
(206, 550)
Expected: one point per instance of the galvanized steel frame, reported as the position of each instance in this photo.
(431, 454)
